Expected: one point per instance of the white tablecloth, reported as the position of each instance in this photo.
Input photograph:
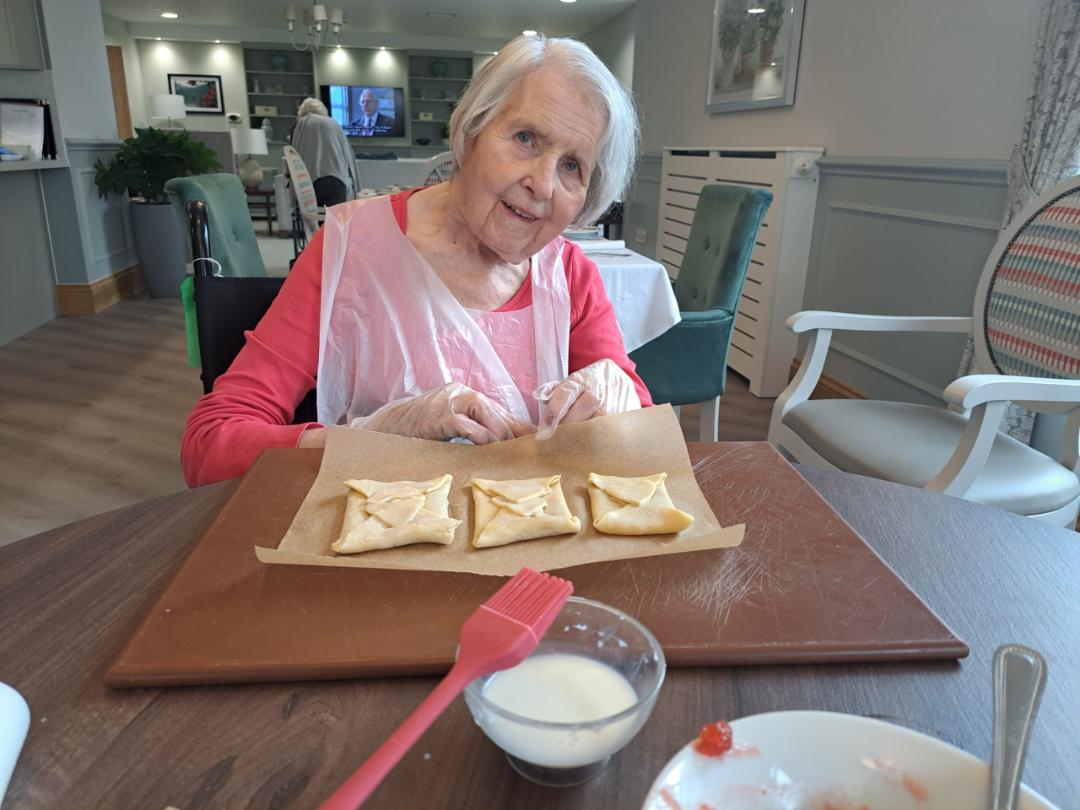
(381, 174)
(640, 292)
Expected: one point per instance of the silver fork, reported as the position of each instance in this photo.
(1019, 678)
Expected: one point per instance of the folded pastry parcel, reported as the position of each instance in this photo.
(509, 511)
(387, 514)
(634, 505)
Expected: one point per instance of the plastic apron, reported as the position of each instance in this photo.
(389, 329)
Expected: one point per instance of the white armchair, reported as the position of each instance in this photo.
(1027, 349)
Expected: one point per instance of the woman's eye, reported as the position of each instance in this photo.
(572, 166)
(523, 137)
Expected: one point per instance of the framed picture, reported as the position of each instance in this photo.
(202, 94)
(755, 54)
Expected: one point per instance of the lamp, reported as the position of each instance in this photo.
(251, 142)
(318, 21)
(168, 107)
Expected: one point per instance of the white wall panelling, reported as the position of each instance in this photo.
(761, 346)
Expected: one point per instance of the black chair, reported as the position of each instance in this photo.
(225, 308)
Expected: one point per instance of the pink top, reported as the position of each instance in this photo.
(252, 403)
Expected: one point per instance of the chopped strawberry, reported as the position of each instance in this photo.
(714, 739)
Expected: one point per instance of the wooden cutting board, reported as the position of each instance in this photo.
(802, 588)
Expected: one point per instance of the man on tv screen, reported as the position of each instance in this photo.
(371, 121)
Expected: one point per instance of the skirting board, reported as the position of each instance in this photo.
(92, 298)
(828, 387)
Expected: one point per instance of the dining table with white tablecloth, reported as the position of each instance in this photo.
(639, 290)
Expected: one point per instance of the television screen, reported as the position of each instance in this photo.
(366, 111)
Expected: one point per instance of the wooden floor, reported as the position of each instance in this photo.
(92, 410)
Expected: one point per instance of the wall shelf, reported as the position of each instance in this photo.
(280, 95)
(438, 79)
(280, 72)
(31, 165)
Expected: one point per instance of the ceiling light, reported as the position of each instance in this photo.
(217, 41)
(169, 15)
(569, 1)
(382, 47)
(158, 39)
(528, 33)
(316, 24)
(755, 10)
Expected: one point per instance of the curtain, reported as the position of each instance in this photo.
(1049, 147)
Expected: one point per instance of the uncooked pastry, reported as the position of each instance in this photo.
(634, 506)
(388, 514)
(510, 511)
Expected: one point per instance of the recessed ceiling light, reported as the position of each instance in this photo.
(755, 10)
(442, 15)
(169, 15)
(217, 41)
(158, 39)
(382, 47)
(528, 33)
(569, 1)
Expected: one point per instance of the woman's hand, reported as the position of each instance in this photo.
(453, 410)
(598, 389)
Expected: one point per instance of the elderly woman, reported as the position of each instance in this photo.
(326, 153)
(439, 312)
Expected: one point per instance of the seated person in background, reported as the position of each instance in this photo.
(437, 312)
(372, 122)
(325, 151)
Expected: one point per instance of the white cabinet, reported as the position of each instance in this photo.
(762, 348)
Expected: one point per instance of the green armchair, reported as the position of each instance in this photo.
(232, 237)
(688, 363)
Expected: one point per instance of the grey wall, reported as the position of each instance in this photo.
(80, 69)
(917, 105)
(918, 78)
(158, 59)
(27, 291)
(91, 236)
(613, 42)
(901, 237)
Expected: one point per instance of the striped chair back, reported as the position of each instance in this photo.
(439, 173)
(1032, 306)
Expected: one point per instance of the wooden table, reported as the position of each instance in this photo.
(264, 197)
(70, 598)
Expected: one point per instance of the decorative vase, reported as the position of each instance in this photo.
(438, 69)
(159, 241)
(268, 130)
(250, 172)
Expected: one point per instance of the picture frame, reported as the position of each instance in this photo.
(201, 92)
(754, 60)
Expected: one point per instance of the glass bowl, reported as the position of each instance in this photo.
(560, 751)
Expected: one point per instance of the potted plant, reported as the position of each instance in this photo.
(771, 23)
(445, 133)
(751, 34)
(140, 169)
(728, 34)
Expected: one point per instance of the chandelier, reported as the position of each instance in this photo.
(317, 25)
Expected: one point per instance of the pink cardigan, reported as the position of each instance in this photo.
(253, 402)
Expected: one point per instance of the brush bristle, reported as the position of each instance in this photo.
(531, 598)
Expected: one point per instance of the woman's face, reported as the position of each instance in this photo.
(525, 176)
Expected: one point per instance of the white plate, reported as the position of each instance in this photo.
(816, 760)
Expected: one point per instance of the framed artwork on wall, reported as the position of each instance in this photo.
(201, 93)
(755, 54)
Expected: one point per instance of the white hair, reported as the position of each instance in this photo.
(309, 106)
(494, 84)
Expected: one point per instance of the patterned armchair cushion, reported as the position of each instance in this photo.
(1033, 303)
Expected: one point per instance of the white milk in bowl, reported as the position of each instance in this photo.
(582, 695)
(564, 689)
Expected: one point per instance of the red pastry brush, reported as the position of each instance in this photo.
(499, 635)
